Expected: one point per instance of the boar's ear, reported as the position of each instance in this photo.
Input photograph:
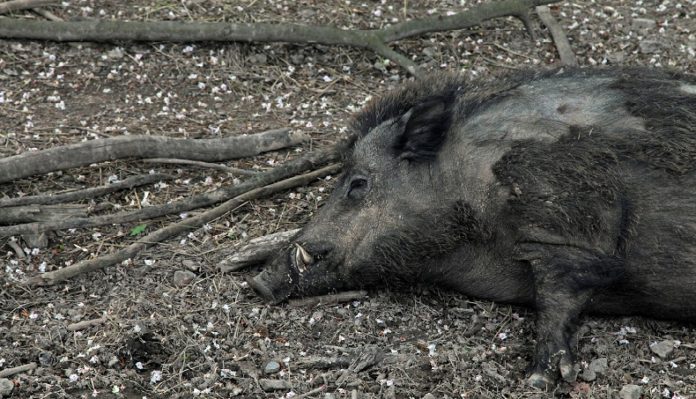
(424, 129)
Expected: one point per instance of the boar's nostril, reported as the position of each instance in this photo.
(302, 258)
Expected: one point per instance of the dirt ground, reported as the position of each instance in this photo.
(213, 337)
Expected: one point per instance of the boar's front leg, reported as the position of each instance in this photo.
(565, 278)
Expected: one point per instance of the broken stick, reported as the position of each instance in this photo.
(100, 150)
(565, 52)
(257, 251)
(330, 299)
(16, 5)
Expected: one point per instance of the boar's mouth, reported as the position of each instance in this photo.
(295, 272)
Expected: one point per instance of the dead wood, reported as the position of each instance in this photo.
(41, 213)
(169, 31)
(172, 230)
(330, 299)
(208, 165)
(78, 195)
(565, 52)
(47, 14)
(16, 5)
(100, 150)
(256, 251)
(86, 324)
(285, 171)
(16, 370)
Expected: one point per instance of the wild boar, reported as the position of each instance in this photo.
(568, 191)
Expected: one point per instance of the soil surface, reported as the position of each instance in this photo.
(212, 337)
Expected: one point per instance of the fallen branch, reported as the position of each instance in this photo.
(16, 5)
(168, 31)
(17, 370)
(209, 165)
(256, 251)
(331, 299)
(86, 324)
(93, 151)
(72, 196)
(199, 201)
(559, 37)
(47, 14)
(172, 230)
(41, 213)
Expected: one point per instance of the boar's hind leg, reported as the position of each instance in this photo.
(565, 279)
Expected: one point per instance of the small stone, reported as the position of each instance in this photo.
(429, 396)
(663, 348)
(115, 54)
(651, 46)
(588, 375)
(273, 385)
(643, 23)
(113, 361)
(272, 367)
(630, 391)
(617, 57)
(183, 277)
(6, 387)
(599, 366)
(47, 359)
(191, 265)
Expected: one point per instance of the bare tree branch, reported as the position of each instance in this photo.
(285, 171)
(565, 52)
(85, 153)
(330, 299)
(41, 213)
(72, 196)
(16, 5)
(172, 230)
(169, 31)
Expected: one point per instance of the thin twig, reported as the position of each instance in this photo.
(72, 196)
(16, 5)
(330, 299)
(565, 52)
(172, 230)
(47, 14)
(208, 165)
(17, 370)
(86, 324)
(314, 391)
(17, 249)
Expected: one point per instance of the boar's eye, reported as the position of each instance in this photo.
(359, 186)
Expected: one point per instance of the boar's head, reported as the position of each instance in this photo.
(389, 213)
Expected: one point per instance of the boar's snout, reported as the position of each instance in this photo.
(286, 274)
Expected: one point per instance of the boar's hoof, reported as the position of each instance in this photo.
(540, 381)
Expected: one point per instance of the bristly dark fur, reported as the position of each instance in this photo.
(398, 256)
(398, 102)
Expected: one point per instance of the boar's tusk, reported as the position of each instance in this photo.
(302, 258)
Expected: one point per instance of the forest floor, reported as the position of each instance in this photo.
(213, 337)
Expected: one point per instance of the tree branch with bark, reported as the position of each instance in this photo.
(375, 40)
